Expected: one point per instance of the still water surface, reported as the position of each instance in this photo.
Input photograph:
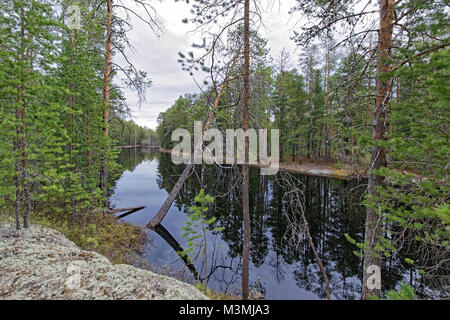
(279, 268)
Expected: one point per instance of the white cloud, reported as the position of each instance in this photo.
(158, 57)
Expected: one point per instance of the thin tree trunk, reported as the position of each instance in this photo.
(327, 104)
(281, 117)
(18, 170)
(106, 94)
(310, 134)
(18, 143)
(23, 143)
(300, 138)
(368, 103)
(162, 212)
(107, 73)
(88, 124)
(245, 178)
(72, 123)
(293, 144)
(378, 157)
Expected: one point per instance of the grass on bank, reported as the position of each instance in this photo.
(119, 242)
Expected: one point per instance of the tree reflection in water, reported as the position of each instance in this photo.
(332, 208)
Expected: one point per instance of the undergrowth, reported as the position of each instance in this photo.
(119, 242)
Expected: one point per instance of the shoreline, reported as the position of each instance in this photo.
(308, 168)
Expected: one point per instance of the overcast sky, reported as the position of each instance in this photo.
(158, 57)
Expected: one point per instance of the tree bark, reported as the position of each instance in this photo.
(72, 121)
(18, 170)
(378, 156)
(293, 144)
(310, 134)
(107, 73)
(281, 116)
(106, 95)
(23, 142)
(327, 104)
(245, 179)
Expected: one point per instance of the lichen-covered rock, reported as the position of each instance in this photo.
(40, 263)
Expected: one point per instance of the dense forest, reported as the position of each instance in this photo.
(373, 99)
(367, 89)
(61, 111)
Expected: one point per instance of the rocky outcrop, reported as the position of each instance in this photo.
(40, 263)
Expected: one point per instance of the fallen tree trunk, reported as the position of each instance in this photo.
(129, 210)
(159, 229)
(123, 215)
(157, 219)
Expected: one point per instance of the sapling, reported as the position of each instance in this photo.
(196, 226)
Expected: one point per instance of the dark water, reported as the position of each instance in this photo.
(279, 268)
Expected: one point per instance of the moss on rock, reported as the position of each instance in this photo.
(40, 263)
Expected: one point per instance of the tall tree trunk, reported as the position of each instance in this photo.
(72, 123)
(23, 142)
(17, 169)
(88, 128)
(300, 137)
(281, 117)
(327, 105)
(310, 134)
(245, 178)
(293, 144)
(369, 102)
(107, 73)
(23, 145)
(106, 91)
(378, 157)
(88, 119)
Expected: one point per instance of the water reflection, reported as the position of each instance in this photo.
(278, 269)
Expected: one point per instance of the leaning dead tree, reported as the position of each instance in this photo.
(297, 226)
(162, 212)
